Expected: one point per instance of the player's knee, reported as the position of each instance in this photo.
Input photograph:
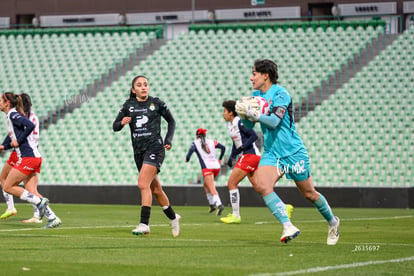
(310, 195)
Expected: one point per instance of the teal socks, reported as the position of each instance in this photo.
(323, 207)
(277, 207)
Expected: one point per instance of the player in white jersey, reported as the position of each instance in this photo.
(210, 166)
(243, 144)
(30, 183)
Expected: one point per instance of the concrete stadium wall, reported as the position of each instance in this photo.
(12, 8)
(193, 195)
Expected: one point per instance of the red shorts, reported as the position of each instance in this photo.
(13, 159)
(28, 165)
(248, 162)
(214, 172)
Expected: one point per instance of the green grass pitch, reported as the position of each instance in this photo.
(97, 240)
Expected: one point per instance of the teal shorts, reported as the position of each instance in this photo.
(296, 166)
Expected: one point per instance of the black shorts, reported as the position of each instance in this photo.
(153, 156)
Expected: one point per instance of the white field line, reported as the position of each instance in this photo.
(129, 236)
(196, 224)
(336, 267)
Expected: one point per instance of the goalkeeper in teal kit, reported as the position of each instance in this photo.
(284, 152)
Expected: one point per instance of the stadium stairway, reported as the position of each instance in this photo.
(346, 71)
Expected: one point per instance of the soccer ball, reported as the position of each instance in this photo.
(263, 105)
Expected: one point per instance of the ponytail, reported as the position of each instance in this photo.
(14, 101)
(201, 133)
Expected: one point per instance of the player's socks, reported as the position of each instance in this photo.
(9, 200)
(217, 200)
(169, 212)
(145, 214)
(277, 207)
(49, 213)
(235, 202)
(210, 199)
(29, 197)
(323, 207)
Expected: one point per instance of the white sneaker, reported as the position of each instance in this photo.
(53, 223)
(142, 229)
(175, 225)
(33, 220)
(333, 233)
(289, 234)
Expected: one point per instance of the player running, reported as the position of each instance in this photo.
(284, 152)
(243, 143)
(210, 166)
(30, 160)
(143, 115)
(30, 184)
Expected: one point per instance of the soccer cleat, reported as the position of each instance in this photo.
(33, 220)
(289, 234)
(53, 223)
(42, 206)
(219, 210)
(333, 233)
(142, 229)
(231, 219)
(289, 210)
(175, 225)
(9, 213)
(212, 208)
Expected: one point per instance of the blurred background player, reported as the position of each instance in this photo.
(210, 166)
(243, 143)
(29, 158)
(143, 113)
(31, 184)
(284, 152)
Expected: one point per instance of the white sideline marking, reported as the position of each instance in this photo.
(335, 267)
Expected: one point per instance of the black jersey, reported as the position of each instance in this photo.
(145, 123)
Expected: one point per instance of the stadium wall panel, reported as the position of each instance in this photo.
(193, 195)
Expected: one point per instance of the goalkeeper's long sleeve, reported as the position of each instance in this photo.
(271, 121)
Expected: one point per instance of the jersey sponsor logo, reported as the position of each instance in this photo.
(141, 120)
(152, 156)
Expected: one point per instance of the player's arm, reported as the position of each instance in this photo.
(250, 133)
(22, 122)
(233, 155)
(190, 152)
(117, 125)
(167, 115)
(6, 143)
(222, 148)
(275, 117)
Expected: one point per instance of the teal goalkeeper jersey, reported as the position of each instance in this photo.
(283, 140)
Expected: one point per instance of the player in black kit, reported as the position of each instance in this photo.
(143, 114)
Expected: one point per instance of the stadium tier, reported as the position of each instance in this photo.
(54, 66)
(194, 73)
(363, 134)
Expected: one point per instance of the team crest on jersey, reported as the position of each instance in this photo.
(152, 107)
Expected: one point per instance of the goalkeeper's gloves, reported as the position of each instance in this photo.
(242, 108)
(253, 114)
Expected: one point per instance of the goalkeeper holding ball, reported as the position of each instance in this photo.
(284, 152)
